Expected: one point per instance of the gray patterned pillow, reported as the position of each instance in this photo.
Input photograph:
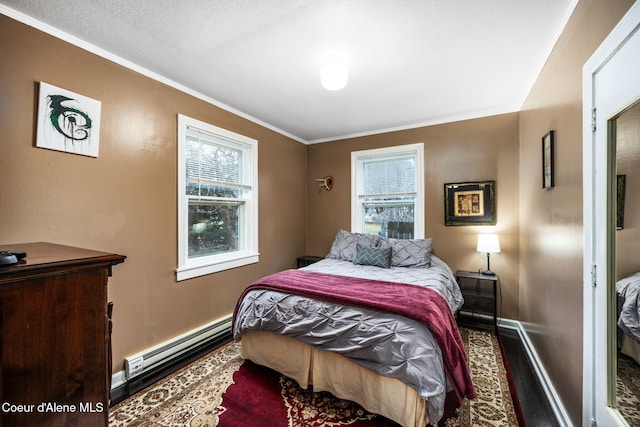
(409, 252)
(378, 257)
(344, 245)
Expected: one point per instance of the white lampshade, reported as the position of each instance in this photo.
(488, 243)
(334, 73)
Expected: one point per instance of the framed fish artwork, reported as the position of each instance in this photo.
(68, 121)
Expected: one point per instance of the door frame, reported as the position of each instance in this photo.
(598, 333)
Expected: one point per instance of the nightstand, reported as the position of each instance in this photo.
(480, 299)
(303, 261)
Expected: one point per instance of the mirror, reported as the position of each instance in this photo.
(625, 287)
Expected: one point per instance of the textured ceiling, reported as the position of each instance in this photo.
(412, 62)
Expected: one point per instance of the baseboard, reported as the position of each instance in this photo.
(117, 379)
(163, 354)
(547, 385)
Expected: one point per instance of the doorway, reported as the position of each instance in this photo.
(611, 90)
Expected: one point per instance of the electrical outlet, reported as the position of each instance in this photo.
(134, 366)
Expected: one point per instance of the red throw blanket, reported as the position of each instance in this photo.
(416, 302)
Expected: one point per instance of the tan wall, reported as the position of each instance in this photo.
(472, 150)
(125, 200)
(628, 157)
(551, 247)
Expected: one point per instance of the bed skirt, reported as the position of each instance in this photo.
(630, 347)
(328, 371)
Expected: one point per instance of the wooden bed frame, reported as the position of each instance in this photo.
(329, 371)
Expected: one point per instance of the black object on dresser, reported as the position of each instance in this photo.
(480, 298)
(54, 336)
(303, 261)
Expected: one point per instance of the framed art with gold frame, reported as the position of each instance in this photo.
(470, 203)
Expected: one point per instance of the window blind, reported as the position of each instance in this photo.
(211, 159)
(389, 176)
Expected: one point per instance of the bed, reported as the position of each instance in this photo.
(372, 323)
(628, 290)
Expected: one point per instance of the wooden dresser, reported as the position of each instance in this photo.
(54, 336)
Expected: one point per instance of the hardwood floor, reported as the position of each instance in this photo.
(536, 409)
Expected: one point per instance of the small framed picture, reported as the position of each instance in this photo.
(621, 184)
(470, 203)
(547, 160)
(68, 121)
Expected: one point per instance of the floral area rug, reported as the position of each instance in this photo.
(496, 403)
(222, 390)
(628, 390)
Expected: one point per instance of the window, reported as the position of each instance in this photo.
(217, 199)
(387, 191)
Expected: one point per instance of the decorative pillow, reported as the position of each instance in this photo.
(409, 252)
(344, 244)
(379, 257)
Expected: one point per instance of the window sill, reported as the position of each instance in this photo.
(193, 271)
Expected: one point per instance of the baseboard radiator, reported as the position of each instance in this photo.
(152, 358)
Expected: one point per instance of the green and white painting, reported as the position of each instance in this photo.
(68, 121)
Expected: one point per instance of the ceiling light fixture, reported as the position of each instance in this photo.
(334, 73)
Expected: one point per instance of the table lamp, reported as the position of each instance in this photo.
(488, 243)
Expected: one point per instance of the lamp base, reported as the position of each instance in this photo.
(488, 273)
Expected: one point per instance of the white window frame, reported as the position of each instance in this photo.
(357, 158)
(247, 253)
